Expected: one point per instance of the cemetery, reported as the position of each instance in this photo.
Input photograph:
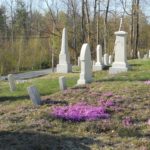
(100, 101)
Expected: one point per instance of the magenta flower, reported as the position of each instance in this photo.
(127, 121)
(147, 82)
(80, 112)
(108, 94)
(148, 122)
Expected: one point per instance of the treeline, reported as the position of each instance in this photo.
(30, 37)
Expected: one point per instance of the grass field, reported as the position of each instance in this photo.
(26, 127)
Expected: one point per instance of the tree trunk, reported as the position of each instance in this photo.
(105, 26)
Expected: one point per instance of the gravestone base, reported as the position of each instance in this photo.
(83, 81)
(98, 67)
(65, 68)
(118, 68)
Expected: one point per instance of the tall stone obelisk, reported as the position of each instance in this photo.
(64, 65)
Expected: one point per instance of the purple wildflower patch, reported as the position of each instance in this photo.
(80, 112)
(108, 94)
(106, 103)
(147, 82)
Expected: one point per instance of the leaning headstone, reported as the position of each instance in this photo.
(62, 83)
(138, 55)
(79, 63)
(34, 95)
(110, 59)
(120, 63)
(64, 65)
(12, 83)
(106, 59)
(86, 65)
(99, 63)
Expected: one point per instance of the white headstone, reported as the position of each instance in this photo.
(120, 63)
(131, 54)
(62, 83)
(138, 55)
(34, 95)
(99, 63)
(110, 59)
(86, 65)
(12, 83)
(149, 54)
(64, 65)
(106, 59)
(79, 63)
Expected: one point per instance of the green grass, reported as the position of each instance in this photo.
(23, 126)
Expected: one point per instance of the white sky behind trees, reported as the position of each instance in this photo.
(40, 5)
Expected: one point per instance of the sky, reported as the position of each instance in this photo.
(41, 5)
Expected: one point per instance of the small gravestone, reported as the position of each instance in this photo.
(106, 59)
(12, 83)
(99, 63)
(64, 65)
(62, 83)
(138, 55)
(110, 59)
(34, 95)
(120, 63)
(86, 65)
(131, 54)
(149, 54)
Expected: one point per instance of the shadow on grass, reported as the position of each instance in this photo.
(51, 102)
(42, 141)
(135, 65)
(12, 98)
(124, 78)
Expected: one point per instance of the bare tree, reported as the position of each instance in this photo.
(105, 26)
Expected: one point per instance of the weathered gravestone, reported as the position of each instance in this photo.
(62, 83)
(86, 65)
(149, 54)
(99, 63)
(12, 83)
(138, 55)
(106, 59)
(120, 63)
(110, 59)
(34, 95)
(64, 65)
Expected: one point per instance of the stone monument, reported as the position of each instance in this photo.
(106, 59)
(34, 95)
(120, 63)
(12, 83)
(64, 65)
(86, 65)
(99, 63)
(62, 83)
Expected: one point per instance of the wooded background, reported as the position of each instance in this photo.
(30, 32)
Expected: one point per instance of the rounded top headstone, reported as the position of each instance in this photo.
(121, 33)
(99, 47)
(85, 52)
